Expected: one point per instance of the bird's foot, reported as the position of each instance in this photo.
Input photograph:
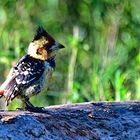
(20, 109)
(35, 109)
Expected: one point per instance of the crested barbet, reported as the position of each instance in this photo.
(32, 74)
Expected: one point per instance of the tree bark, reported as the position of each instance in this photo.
(85, 121)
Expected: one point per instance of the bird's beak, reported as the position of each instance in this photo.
(56, 46)
(60, 46)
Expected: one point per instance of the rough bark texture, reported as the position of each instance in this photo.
(86, 121)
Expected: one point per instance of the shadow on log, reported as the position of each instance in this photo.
(85, 121)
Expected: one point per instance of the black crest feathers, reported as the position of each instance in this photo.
(39, 33)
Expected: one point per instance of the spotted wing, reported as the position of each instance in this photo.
(24, 74)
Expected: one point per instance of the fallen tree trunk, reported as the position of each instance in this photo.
(85, 121)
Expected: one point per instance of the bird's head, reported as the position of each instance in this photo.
(43, 45)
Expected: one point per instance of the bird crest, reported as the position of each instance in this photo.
(41, 33)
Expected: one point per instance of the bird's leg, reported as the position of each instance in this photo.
(30, 107)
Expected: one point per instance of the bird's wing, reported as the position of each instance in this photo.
(29, 70)
(22, 76)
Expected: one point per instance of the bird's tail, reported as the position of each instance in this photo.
(8, 91)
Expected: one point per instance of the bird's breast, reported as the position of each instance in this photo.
(42, 83)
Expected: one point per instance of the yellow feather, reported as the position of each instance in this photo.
(32, 51)
(42, 41)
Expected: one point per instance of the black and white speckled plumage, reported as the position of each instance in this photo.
(28, 77)
(33, 72)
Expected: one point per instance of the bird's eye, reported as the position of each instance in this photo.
(48, 47)
(39, 51)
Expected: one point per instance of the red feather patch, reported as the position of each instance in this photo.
(1, 92)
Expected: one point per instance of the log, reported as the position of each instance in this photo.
(84, 121)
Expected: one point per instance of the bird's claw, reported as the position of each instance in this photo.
(35, 109)
(20, 109)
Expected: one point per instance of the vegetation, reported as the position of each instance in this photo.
(101, 60)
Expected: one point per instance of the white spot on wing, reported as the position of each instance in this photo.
(26, 72)
(23, 82)
(18, 81)
(29, 69)
(16, 88)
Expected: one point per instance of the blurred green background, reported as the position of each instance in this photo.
(101, 60)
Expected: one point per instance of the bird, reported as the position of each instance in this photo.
(33, 71)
